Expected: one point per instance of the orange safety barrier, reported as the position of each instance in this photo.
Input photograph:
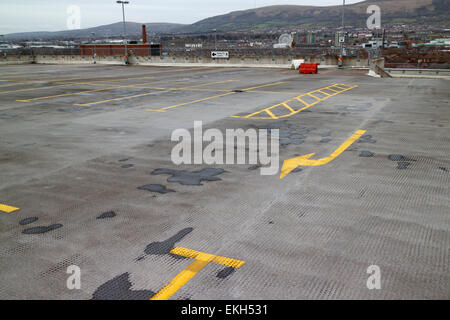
(309, 68)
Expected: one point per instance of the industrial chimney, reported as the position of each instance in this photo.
(144, 34)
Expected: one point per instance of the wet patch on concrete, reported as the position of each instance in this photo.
(403, 165)
(355, 108)
(297, 170)
(164, 247)
(126, 166)
(159, 188)
(255, 167)
(326, 140)
(288, 133)
(29, 220)
(366, 154)
(367, 139)
(124, 160)
(383, 121)
(399, 157)
(6, 116)
(191, 178)
(402, 161)
(222, 274)
(106, 215)
(119, 288)
(42, 229)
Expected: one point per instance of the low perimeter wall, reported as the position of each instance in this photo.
(266, 62)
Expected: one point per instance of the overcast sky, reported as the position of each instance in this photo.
(51, 15)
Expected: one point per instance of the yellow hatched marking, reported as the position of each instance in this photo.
(201, 260)
(7, 209)
(213, 97)
(288, 107)
(336, 88)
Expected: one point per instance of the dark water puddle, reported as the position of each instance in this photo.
(126, 166)
(399, 157)
(383, 121)
(402, 161)
(156, 188)
(297, 170)
(403, 165)
(222, 274)
(42, 229)
(326, 140)
(164, 247)
(443, 169)
(106, 215)
(28, 221)
(255, 167)
(119, 288)
(191, 178)
(367, 139)
(366, 154)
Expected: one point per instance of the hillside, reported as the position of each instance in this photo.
(419, 12)
(393, 11)
(114, 30)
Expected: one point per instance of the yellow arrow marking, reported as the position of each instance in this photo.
(7, 209)
(305, 160)
(201, 260)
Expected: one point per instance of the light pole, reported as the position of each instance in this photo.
(95, 48)
(215, 39)
(342, 38)
(123, 3)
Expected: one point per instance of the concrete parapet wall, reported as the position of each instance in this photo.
(245, 61)
(15, 59)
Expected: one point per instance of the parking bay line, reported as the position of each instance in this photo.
(7, 209)
(145, 94)
(201, 260)
(81, 92)
(213, 97)
(137, 85)
(283, 105)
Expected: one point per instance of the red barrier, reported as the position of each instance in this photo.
(309, 68)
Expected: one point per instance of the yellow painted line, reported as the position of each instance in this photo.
(201, 260)
(81, 92)
(88, 83)
(288, 107)
(313, 96)
(305, 160)
(320, 91)
(117, 99)
(191, 102)
(298, 98)
(213, 97)
(145, 94)
(7, 209)
(264, 86)
(38, 88)
(204, 85)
